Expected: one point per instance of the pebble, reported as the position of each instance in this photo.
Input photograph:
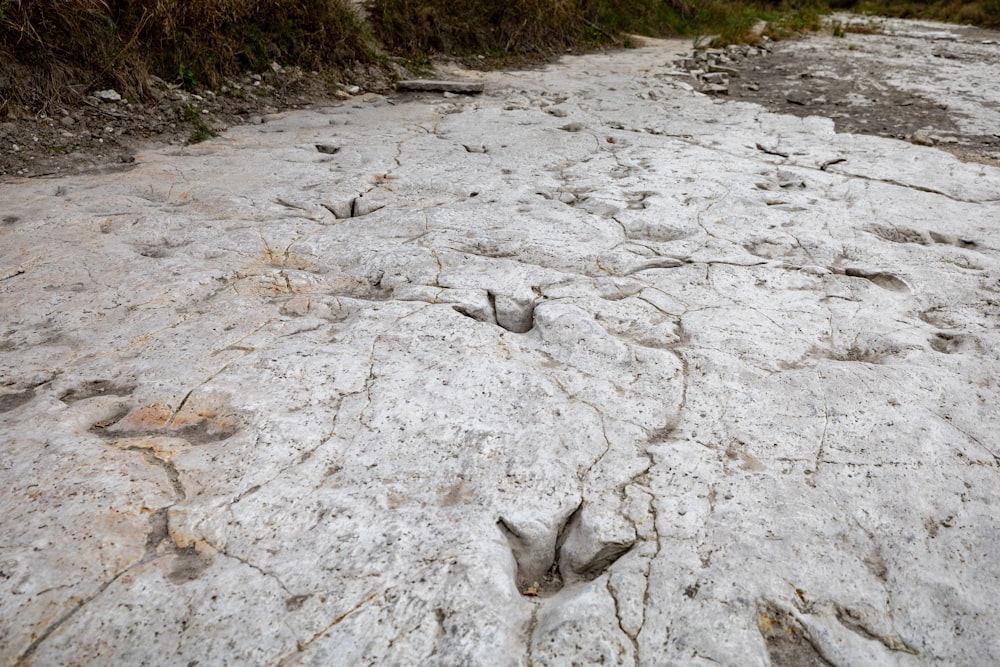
(731, 72)
(718, 88)
(108, 95)
(799, 97)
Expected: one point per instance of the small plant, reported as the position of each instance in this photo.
(838, 29)
(187, 79)
(419, 63)
(869, 28)
(200, 130)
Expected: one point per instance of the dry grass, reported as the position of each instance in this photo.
(550, 26)
(983, 13)
(52, 50)
(468, 26)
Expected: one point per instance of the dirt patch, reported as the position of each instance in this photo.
(106, 133)
(919, 86)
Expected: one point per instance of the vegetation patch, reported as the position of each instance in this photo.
(983, 13)
(543, 27)
(200, 131)
(58, 50)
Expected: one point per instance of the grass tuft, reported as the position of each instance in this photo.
(200, 131)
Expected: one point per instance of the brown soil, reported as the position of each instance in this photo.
(857, 95)
(97, 134)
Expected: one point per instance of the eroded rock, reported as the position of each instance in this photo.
(692, 382)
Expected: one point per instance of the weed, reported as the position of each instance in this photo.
(869, 27)
(419, 62)
(187, 78)
(200, 130)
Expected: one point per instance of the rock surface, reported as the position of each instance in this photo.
(692, 383)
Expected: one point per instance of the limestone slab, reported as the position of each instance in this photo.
(640, 393)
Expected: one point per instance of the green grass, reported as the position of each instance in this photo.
(200, 131)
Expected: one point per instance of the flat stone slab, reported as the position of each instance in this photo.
(434, 85)
(442, 382)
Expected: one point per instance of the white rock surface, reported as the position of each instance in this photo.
(611, 395)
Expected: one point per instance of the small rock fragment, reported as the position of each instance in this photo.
(717, 88)
(799, 97)
(108, 95)
(567, 197)
(727, 71)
